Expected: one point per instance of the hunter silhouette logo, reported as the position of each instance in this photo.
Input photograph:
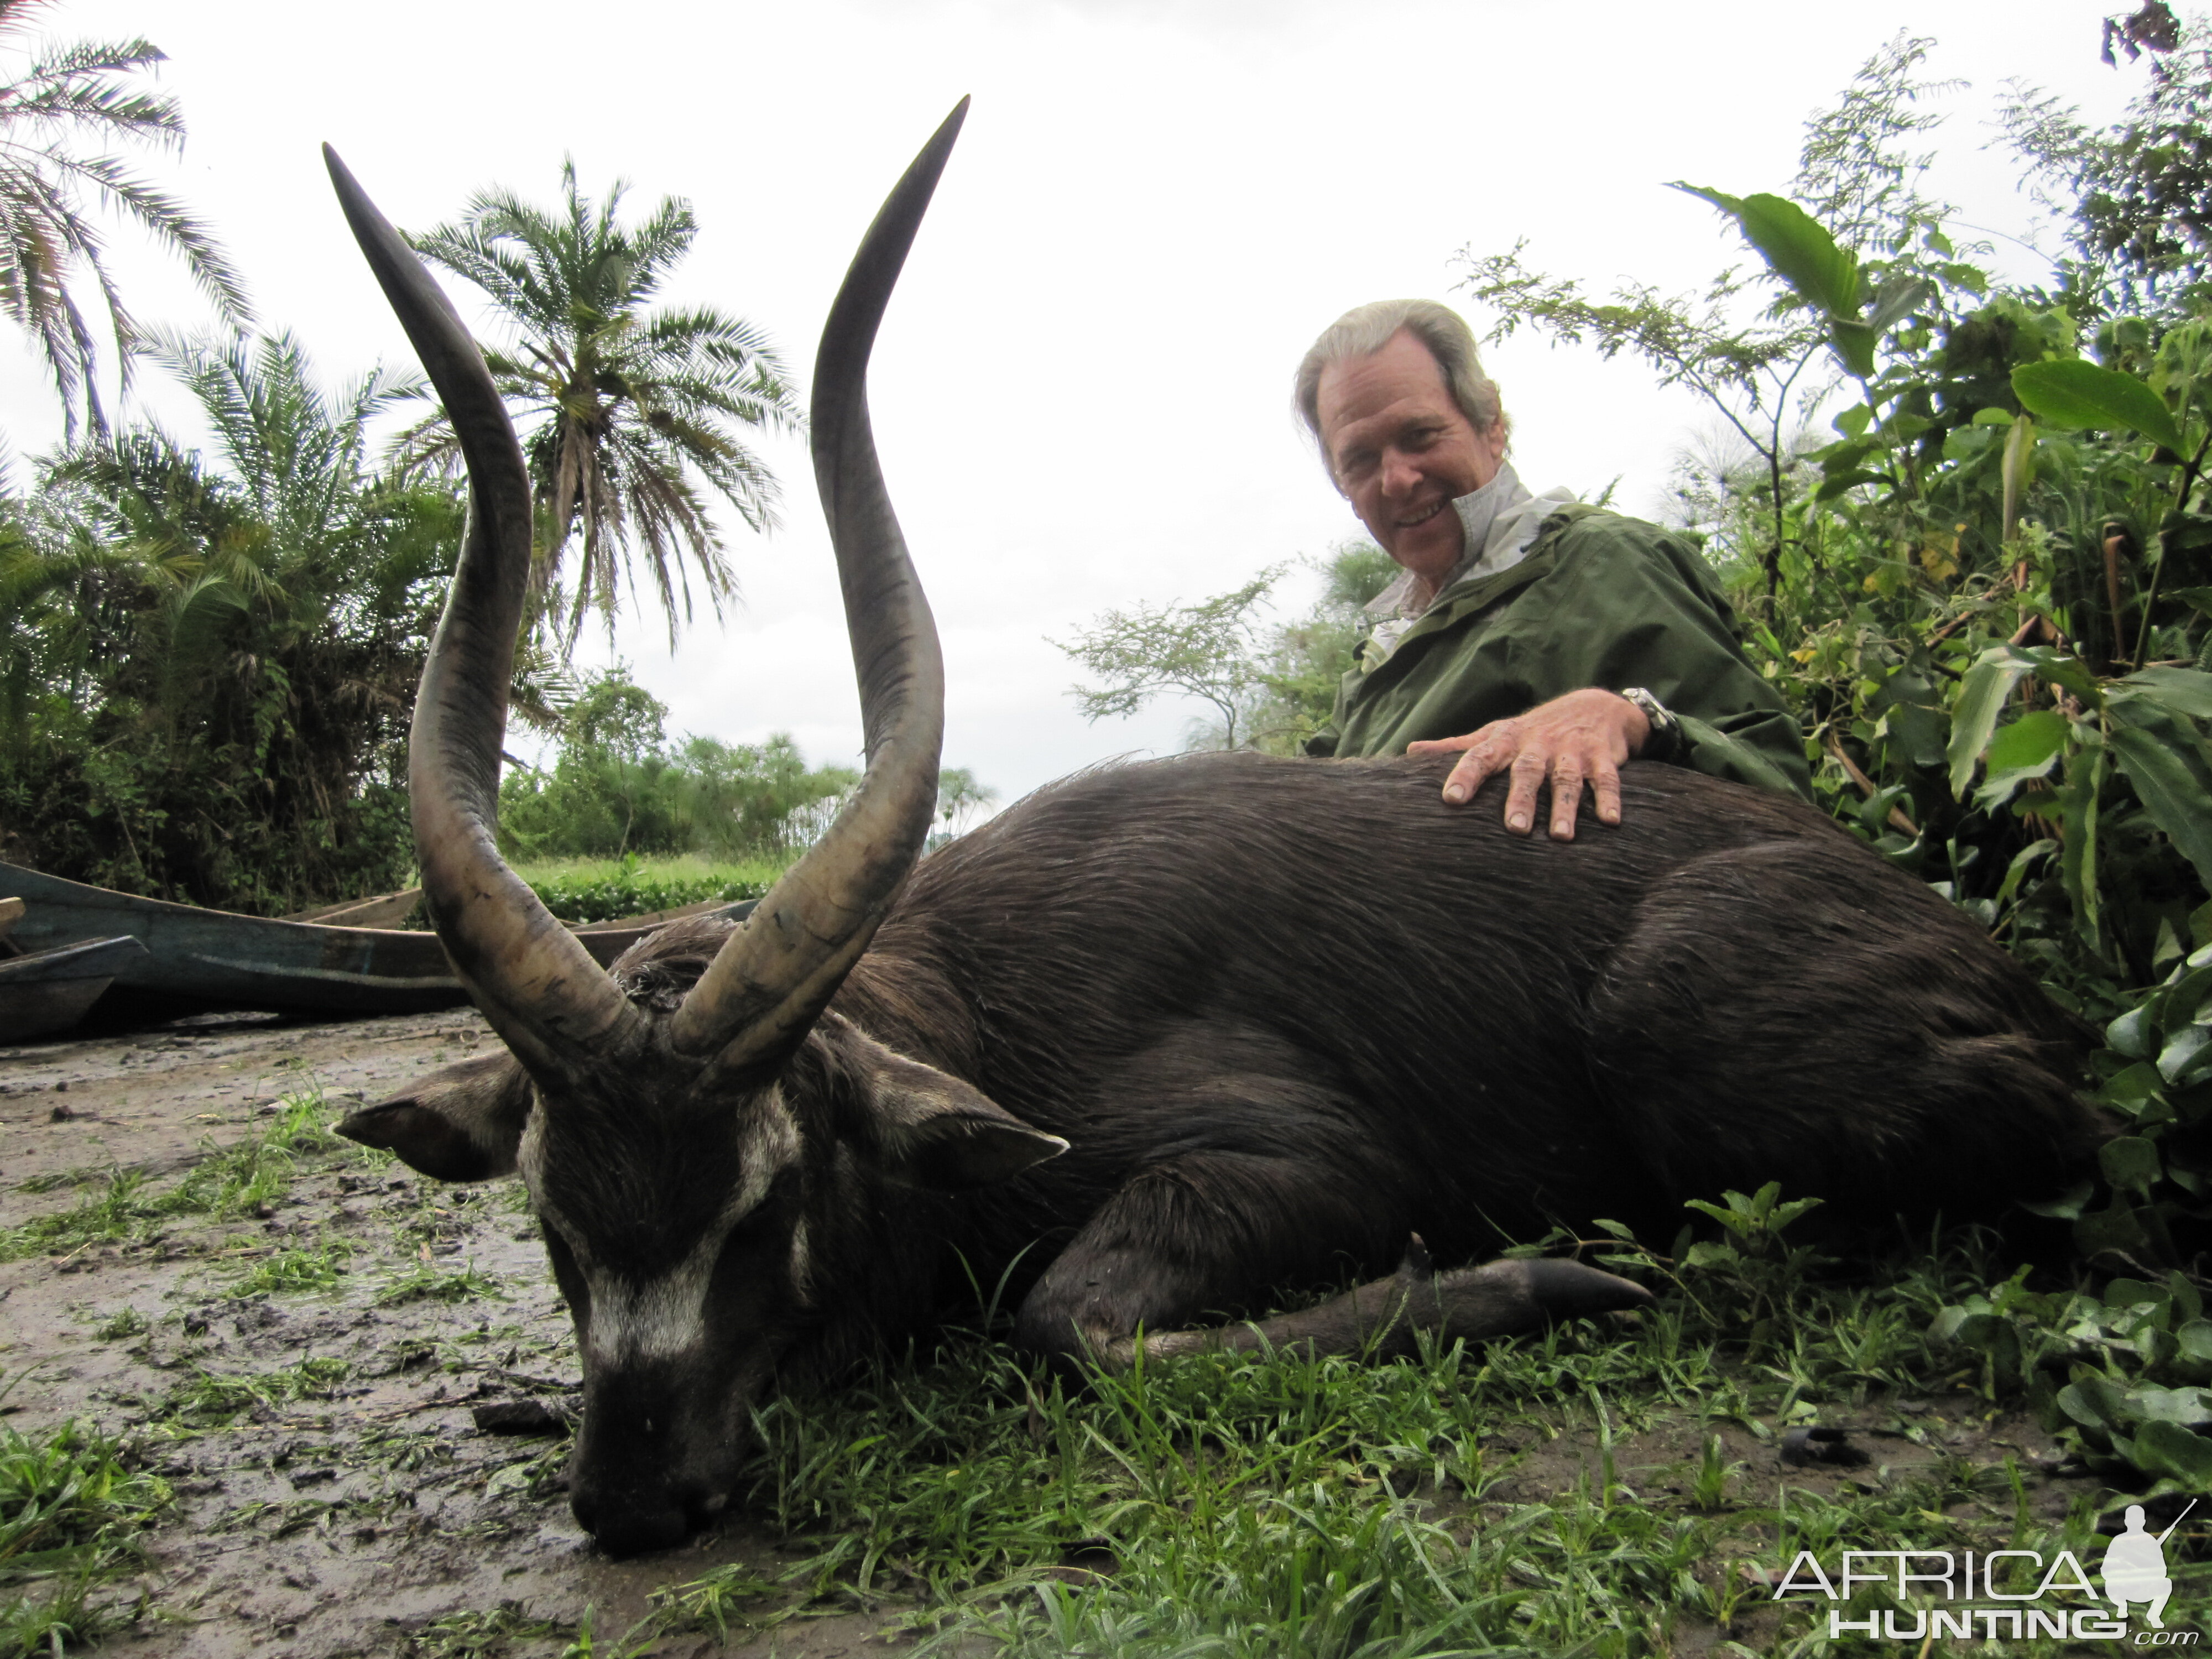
(2135, 1567)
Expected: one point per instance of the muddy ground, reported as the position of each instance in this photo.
(336, 1494)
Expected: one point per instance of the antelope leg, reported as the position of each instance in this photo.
(1382, 1320)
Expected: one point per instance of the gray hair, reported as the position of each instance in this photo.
(1365, 330)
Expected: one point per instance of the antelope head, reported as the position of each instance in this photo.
(673, 1140)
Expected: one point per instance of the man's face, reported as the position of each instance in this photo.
(1402, 453)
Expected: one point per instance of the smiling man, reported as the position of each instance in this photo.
(1542, 638)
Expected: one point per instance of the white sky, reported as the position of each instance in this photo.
(1081, 392)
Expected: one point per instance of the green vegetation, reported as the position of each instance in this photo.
(1270, 686)
(587, 889)
(297, 1269)
(129, 1207)
(51, 246)
(209, 1399)
(619, 788)
(207, 659)
(72, 1507)
(426, 1282)
(625, 407)
(207, 663)
(1569, 1492)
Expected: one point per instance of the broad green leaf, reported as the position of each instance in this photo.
(1839, 483)
(2062, 668)
(2185, 1406)
(2170, 792)
(2118, 1227)
(2016, 472)
(1901, 296)
(2071, 393)
(2187, 1299)
(2133, 1034)
(1852, 422)
(2130, 1163)
(2077, 854)
(2026, 750)
(1991, 417)
(1731, 205)
(1974, 717)
(2066, 1205)
(2185, 690)
(1803, 253)
(2168, 1451)
(2093, 1402)
(2188, 1057)
(2196, 599)
(2032, 740)
(1792, 242)
(1917, 731)
(1846, 452)
(2023, 861)
(1855, 345)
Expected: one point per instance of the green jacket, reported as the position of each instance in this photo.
(1600, 600)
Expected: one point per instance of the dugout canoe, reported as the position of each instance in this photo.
(43, 993)
(196, 959)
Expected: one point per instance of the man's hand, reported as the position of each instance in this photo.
(1580, 738)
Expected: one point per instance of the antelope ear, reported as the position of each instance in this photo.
(936, 1131)
(460, 1123)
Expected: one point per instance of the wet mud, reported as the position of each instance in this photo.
(306, 1364)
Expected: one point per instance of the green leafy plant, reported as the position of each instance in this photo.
(72, 1511)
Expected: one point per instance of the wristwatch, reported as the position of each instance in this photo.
(1666, 741)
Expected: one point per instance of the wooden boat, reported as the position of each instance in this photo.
(197, 959)
(45, 993)
(384, 910)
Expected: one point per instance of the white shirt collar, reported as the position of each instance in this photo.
(1501, 520)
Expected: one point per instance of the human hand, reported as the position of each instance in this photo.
(1571, 741)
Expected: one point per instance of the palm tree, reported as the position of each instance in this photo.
(635, 410)
(212, 659)
(51, 247)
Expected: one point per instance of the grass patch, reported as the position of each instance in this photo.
(71, 1512)
(480, 1634)
(216, 1400)
(123, 1323)
(293, 1270)
(428, 1282)
(130, 1208)
(1569, 1492)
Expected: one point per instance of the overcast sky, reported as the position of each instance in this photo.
(1081, 393)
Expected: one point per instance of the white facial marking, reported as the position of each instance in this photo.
(667, 1316)
(802, 1265)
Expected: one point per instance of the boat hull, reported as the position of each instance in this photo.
(203, 959)
(48, 992)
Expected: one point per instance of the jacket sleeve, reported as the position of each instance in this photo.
(1644, 611)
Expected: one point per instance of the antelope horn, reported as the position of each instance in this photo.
(535, 981)
(763, 992)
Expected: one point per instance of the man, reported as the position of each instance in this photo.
(1541, 638)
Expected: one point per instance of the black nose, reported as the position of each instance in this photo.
(623, 1529)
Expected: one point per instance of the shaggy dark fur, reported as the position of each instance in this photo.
(1284, 1014)
(1287, 1013)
